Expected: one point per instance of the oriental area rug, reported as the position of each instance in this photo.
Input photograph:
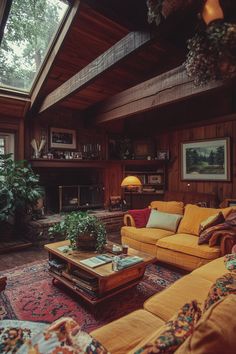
(31, 296)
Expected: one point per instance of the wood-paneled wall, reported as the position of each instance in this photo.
(172, 140)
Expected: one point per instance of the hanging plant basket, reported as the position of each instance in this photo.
(86, 242)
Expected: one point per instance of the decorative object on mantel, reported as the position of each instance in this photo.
(84, 231)
(38, 147)
(212, 50)
(62, 138)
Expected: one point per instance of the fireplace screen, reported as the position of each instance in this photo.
(80, 197)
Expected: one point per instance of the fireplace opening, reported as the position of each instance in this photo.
(72, 189)
(80, 197)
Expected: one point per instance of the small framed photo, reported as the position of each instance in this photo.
(142, 178)
(163, 155)
(154, 179)
(62, 138)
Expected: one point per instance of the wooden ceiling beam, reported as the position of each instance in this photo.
(166, 88)
(114, 55)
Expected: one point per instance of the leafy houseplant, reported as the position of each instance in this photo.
(19, 190)
(83, 230)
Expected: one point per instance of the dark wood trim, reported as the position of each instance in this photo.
(164, 89)
(54, 52)
(114, 55)
(5, 8)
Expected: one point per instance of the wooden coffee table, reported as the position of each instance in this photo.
(104, 281)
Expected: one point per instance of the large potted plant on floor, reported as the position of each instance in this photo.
(19, 192)
(84, 231)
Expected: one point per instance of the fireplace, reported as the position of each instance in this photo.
(72, 189)
(80, 197)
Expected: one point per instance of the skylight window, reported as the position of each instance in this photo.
(29, 32)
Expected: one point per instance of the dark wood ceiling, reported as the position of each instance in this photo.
(90, 35)
(98, 26)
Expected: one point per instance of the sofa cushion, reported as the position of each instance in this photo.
(140, 216)
(211, 334)
(212, 270)
(173, 333)
(166, 221)
(194, 215)
(222, 287)
(181, 260)
(122, 335)
(167, 302)
(168, 207)
(146, 235)
(186, 243)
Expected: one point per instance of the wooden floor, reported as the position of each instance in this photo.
(17, 258)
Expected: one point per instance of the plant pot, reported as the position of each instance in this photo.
(86, 242)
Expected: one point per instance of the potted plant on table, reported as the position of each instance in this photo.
(19, 192)
(84, 231)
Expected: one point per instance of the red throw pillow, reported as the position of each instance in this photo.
(140, 216)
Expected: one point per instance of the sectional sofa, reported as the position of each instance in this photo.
(178, 248)
(129, 333)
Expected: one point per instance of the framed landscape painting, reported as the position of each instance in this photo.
(62, 138)
(206, 160)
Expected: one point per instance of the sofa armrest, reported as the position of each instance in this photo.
(226, 244)
(129, 220)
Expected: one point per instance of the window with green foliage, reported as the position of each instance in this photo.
(2, 145)
(29, 32)
(7, 143)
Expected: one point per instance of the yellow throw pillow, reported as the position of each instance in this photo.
(215, 331)
(211, 221)
(168, 207)
(194, 215)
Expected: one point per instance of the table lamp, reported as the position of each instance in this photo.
(131, 182)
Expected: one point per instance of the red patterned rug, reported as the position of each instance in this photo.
(31, 296)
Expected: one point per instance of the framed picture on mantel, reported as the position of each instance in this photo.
(62, 138)
(206, 160)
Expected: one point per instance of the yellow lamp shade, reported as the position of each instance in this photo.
(212, 11)
(131, 181)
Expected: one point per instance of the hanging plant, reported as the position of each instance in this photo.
(212, 53)
(154, 11)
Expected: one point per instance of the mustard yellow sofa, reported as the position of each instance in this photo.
(128, 333)
(179, 249)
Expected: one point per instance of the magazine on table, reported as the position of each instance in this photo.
(96, 261)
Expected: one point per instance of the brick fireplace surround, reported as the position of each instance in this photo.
(38, 229)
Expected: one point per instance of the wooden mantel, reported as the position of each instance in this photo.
(164, 89)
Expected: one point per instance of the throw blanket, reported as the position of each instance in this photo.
(226, 229)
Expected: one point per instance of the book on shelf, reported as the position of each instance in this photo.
(97, 261)
(82, 274)
(56, 263)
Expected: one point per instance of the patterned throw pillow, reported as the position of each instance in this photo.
(223, 286)
(174, 331)
(230, 261)
(14, 333)
(62, 336)
(207, 227)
